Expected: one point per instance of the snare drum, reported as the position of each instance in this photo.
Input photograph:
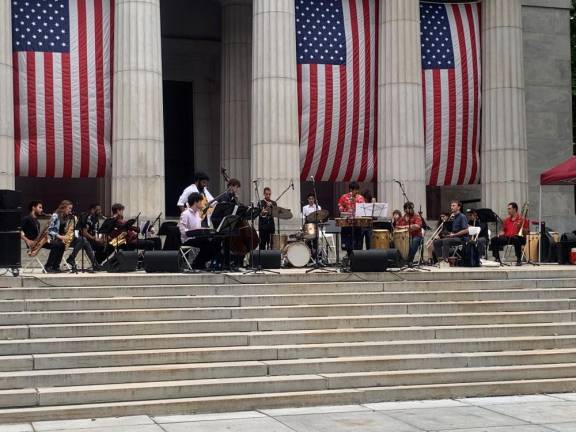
(401, 239)
(381, 239)
(297, 254)
(309, 231)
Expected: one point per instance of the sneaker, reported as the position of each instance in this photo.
(72, 264)
(519, 263)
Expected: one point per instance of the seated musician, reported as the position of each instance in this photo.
(31, 232)
(351, 236)
(457, 236)
(200, 185)
(312, 205)
(396, 217)
(132, 240)
(413, 222)
(266, 226)
(90, 229)
(482, 241)
(58, 230)
(191, 220)
(509, 234)
(232, 190)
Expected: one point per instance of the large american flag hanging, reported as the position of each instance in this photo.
(451, 64)
(62, 86)
(336, 48)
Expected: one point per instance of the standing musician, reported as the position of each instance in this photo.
(458, 234)
(509, 234)
(231, 194)
(312, 205)
(367, 231)
(351, 236)
(90, 230)
(31, 232)
(413, 222)
(191, 220)
(59, 229)
(266, 225)
(132, 240)
(200, 185)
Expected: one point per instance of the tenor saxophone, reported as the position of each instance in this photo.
(40, 241)
(69, 234)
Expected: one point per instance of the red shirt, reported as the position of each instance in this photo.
(414, 220)
(347, 203)
(512, 225)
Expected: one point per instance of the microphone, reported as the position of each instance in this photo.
(397, 181)
(312, 178)
(292, 184)
(256, 180)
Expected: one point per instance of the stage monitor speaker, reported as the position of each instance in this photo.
(10, 200)
(270, 259)
(567, 242)
(10, 249)
(374, 260)
(162, 262)
(123, 262)
(10, 220)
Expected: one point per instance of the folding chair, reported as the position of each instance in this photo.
(34, 260)
(473, 233)
(189, 254)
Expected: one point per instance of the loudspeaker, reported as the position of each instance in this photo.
(567, 242)
(270, 259)
(122, 262)
(374, 260)
(10, 220)
(10, 200)
(162, 262)
(10, 249)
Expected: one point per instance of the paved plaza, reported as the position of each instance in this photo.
(539, 413)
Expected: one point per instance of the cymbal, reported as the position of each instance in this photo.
(318, 216)
(281, 213)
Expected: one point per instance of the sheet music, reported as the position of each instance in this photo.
(377, 210)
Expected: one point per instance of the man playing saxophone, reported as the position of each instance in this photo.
(36, 239)
(61, 231)
(513, 225)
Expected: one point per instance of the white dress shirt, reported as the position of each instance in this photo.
(308, 209)
(191, 189)
(189, 220)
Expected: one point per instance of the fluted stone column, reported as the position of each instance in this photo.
(6, 99)
(401, 146)
(504, 147)
(275, 152)
(235, 89)
(138, 135)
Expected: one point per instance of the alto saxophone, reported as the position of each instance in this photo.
(69, 234)
(40, 241)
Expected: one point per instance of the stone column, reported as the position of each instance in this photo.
(138, 135)
(504, 147)
(235, 91)
(401, 146)
(6, 98)
(275, 142)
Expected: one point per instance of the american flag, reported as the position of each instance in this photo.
(451, 63)
(62, 86)
(336, 48)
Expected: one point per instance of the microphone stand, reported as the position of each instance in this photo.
(317, 266)
(291, 185)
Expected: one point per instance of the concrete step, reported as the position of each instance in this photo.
(286, 399)
(274, 324)
(70, 360)
(231, 369)
(190, 340)
(124, 392)
(183, 313)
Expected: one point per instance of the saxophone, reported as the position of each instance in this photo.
(40, 241)
(119, 240)
(69, 234)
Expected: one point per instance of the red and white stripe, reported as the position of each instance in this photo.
(452, 103)
(62, 102)
(337, 104)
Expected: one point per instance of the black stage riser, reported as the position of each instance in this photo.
(374, 260)
(162, 262)
(270, 259)
(10, 249)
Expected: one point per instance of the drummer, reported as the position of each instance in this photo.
(396, 216)
(312, 205)
(308, 212)
(413, 222)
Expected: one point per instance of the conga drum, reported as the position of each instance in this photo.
(531, 248)
(401, 239)
(381, 239)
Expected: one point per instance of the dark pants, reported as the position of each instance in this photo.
(415, 243)
(367, 237)
(498, 243)
(78, 244)
(265, 235)
(55, 255)
(208, 251)
(99, 250)
(442, 246)
(351, 238)
(152, 243)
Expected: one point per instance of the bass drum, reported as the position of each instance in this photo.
(297, 254)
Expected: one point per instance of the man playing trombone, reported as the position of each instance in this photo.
(458, 234)
(512, 233)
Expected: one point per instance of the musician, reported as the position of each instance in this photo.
(132, 240)
(231, 194)
(266, 225)
(458, 233)
(90, 228)
(367, 231)
(31, 232)
(200, 185)
(482, 241)
(396, 217)
(312, 205)
(57, 230)
(351, 236)
(191, 220)
(413, 222)
(509, 234)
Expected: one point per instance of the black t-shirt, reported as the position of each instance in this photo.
(30, 227)
(267, 221)
(92, 224)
